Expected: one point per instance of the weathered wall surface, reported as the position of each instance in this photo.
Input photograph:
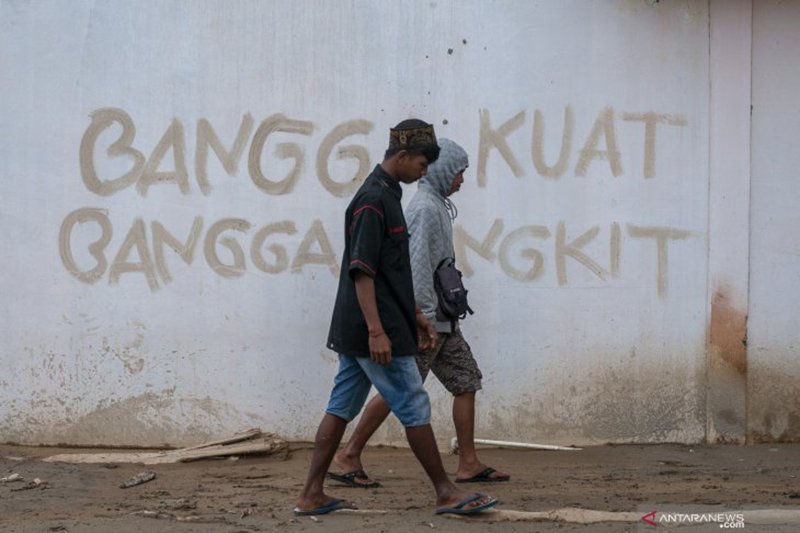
(773, 345)
(730, 46)
(173, 179)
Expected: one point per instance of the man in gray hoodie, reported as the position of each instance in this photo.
(430, 216)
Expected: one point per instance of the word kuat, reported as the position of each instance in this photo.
(601, 143)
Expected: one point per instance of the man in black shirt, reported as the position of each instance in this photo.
(375, 327)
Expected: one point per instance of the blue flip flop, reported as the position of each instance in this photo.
(333, 505)
(459, 508)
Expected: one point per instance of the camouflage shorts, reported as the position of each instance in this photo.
(453, 364)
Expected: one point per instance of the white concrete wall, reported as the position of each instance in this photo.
(730, 46)
(773, 336)
(583, 225)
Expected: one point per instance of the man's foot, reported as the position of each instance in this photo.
(486, 475)
(322, 505)
(356, 478)
(346, 462)
(465, 503)
(353, 468)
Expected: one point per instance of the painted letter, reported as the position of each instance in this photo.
(614, 247)
(237, 268)
(661, 236)
(184, 250)
(360, 153)
(135, 238)
(462, 241)
(537, 150)
(172, 138)
(603, 125)
(650, 120)
(278, 123)
(81, 216)
(230, 159)
(490, 138)
(572, 249)
(536, 269)
(315, 234)
(102, 119)
(281, 257)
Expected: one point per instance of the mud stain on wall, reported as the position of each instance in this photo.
(631, 397)
(727, 371)
(728, 334)
(131, 354)
(148, 420)
(774, 405)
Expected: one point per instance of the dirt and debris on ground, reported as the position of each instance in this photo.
(257, 493)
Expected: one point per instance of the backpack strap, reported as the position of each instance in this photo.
(444, 261)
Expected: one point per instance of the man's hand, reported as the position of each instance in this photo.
(426, 333)
(380, 348)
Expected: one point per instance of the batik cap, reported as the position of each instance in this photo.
(413, 137)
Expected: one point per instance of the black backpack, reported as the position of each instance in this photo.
(450, 292)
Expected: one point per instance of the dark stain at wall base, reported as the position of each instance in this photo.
(613, 399)
(773, 411)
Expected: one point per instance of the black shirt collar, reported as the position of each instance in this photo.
(386, 180)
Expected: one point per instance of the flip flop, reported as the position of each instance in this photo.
(350, 478)
(485, 477)
(333, 505)
(459, 508)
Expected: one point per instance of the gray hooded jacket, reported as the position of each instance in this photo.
(430, 223)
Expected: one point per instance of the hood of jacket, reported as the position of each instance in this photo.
(452, 160)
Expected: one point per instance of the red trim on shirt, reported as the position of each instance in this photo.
(356, 262)
(360, 209)
(397, 229)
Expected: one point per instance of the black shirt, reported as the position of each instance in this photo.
(376, 243)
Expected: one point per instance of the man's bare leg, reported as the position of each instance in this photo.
(329, 435)
(423, 444)
(464, 421)
(348, 459)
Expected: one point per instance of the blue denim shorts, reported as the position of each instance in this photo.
(399, 383)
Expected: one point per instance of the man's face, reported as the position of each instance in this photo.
(411, 167)
(455, 186)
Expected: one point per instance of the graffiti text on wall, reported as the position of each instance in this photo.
(145, 171)
(268, 255)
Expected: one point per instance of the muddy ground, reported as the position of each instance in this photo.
(258, 493)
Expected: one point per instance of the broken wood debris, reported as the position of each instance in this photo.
(205, 519)
(179, 504)
(567, 514)
(168, 516)
(35, 484)
(138, 479)
(252, 441)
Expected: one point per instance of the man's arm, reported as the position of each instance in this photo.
(426, 332)
(421, 248)
(380, 347)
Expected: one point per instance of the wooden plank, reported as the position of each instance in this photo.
(238, 437)
(249, 442)
(266, 445)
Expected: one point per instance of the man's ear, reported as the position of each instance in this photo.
(402, 155)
